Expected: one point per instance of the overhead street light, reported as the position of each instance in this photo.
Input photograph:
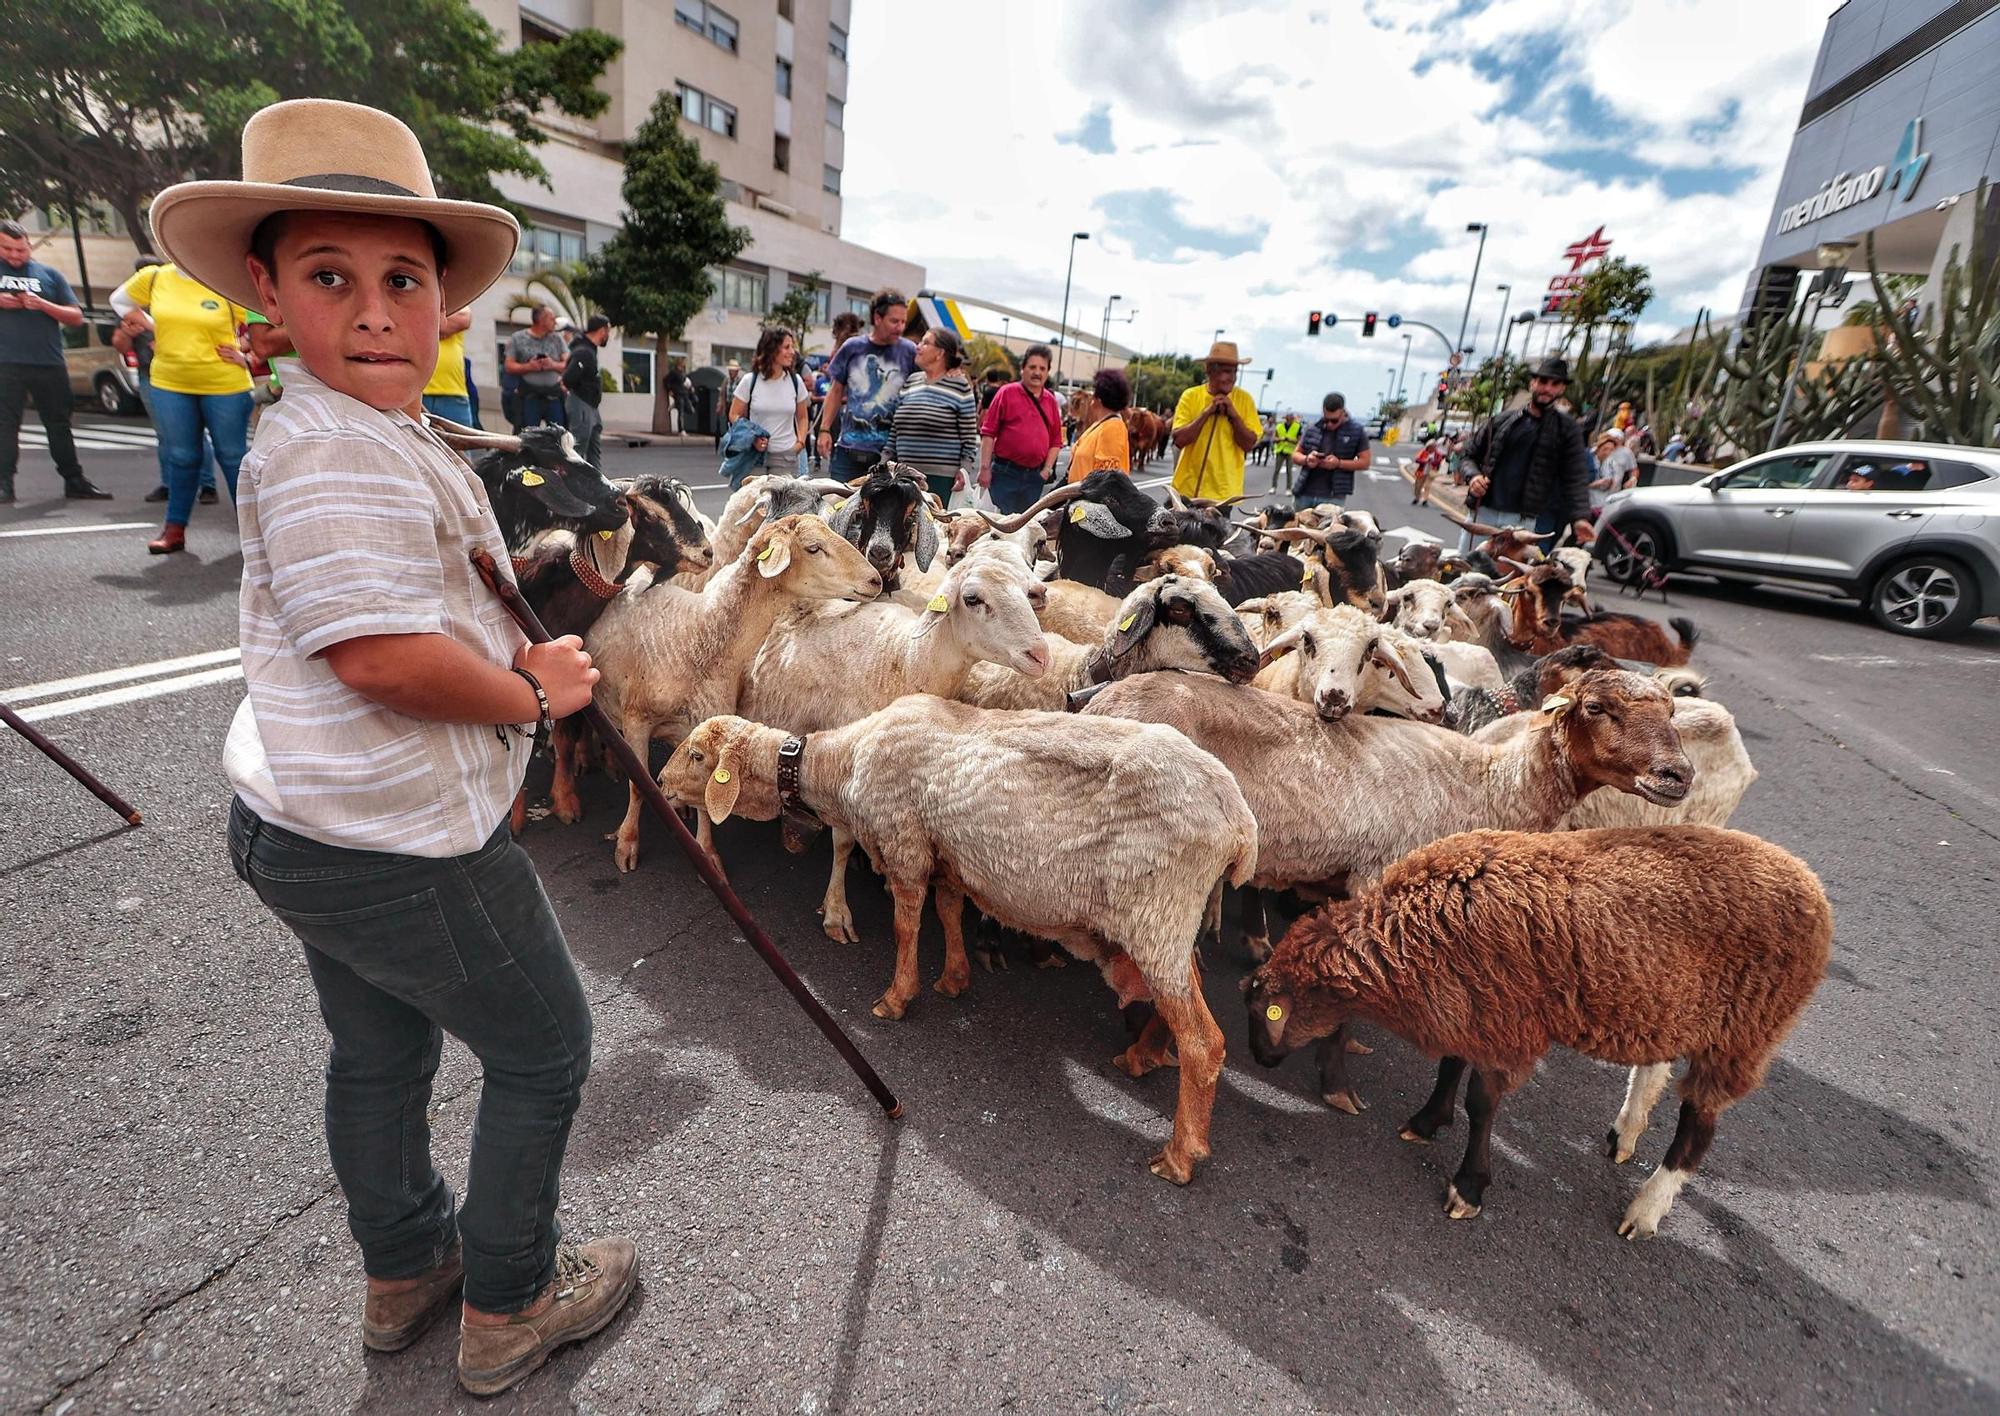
(1506, 298)
(1104, 329)
(1062, 341)
(1466, 318)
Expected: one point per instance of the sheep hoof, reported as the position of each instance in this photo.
(1167, 1167)
(1132, 1064)
(1359, 1049)
(840, 929)
(952, 985)
(627, 856)
(568, 812)
(1052, 961)
(1643, 1226)
(890, 1007)
(1346, 1101)
(1618, 1148)
(992, 960)
(1413, 1136)
(1456, 1206)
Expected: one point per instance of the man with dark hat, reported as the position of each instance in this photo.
(1528, 466)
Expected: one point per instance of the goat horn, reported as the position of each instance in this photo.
(1394, 665)
(1057, 497)
(466, 439)
(1477, 528)
(827, 487)
(1298, 533)
(1279, 647)
(1516, 566)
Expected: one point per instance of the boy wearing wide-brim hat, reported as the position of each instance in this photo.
(381, 743)
(1215, 424)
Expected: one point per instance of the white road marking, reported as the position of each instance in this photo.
(81, 683)
(97, 430)
(1411, 533)
(79, 530)
(132, 693)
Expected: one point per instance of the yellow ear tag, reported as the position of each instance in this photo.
(765, 554)
(1274, 1013)
(1306, 580)
(1128, 621)
(1555, 703)
(1078, 512)
(606, 535)
(532, 479)
(938, 605)
(839, 504)
(722, 775)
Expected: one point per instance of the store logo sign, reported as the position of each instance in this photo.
(1908, 168)
(1845, 189)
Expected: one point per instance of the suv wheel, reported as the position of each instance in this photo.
(1626, 564)
(1929, 596)
(113, 399)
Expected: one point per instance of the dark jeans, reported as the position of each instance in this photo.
(49, 386)
(846, 463)
(543, 406)
(1015, 488)
(403, 949)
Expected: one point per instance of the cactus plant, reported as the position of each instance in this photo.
(1948, 380)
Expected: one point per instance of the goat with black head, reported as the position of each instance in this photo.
(538, 482)
(1349, 552)
(1108, 527)
(889, 517)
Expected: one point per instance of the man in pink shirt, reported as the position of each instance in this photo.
(1020, 435)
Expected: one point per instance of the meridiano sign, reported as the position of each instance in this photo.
(1844, 190)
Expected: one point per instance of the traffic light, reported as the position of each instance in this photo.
(1312, 324)
(1368, 325)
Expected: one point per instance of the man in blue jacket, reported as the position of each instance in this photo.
(1330, 452)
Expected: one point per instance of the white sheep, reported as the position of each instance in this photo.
(1104, 836)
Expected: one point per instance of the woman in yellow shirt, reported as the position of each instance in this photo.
(1103, 443)
(447, 394)
(201, 384)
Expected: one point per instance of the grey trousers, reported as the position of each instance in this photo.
(586, 425)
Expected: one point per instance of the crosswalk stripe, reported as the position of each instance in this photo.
(55, 688)
(131, 693)
(143, 437)
(78, 530)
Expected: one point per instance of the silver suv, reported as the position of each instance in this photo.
(1912, 530)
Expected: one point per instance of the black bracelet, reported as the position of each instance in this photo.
(546, 724)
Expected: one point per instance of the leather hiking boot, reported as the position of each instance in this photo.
(172, 538)
(207, 497)
(83, 489)
(392, 1321)
(592, 1283)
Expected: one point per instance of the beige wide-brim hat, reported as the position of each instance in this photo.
(1224, 352)
(317, 154)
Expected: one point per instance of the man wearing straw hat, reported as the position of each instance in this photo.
(1215, 424)
(386, 731)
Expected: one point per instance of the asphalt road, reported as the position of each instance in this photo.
(171, 1238)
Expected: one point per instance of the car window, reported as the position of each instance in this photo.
(76, 336)
(1780, 473)
(1899, 473)
(1945, 475)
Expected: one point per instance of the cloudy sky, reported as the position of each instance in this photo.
(1238, 164)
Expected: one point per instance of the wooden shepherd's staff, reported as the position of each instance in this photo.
(642, 779)
(68, 764)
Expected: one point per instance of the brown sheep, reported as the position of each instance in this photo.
(1634, 946)
(1537, 625)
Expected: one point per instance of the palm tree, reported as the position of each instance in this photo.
(983, 352)
(556, 289)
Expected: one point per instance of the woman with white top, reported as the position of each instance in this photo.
(774, 397)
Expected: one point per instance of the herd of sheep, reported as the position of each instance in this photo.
(1088, 721)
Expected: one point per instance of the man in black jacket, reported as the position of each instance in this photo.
(585, 389)
(1528, 466)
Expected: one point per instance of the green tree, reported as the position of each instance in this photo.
(1943, 367)
(983, 353)
(111, 100)
(1159, 380)
(796, 310)
(653, 275)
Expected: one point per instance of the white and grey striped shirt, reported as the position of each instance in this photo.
(358, 522)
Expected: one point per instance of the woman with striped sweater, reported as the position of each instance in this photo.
(936, 429)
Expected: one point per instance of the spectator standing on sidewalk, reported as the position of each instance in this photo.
(36, 304)
(584, 385)
(773, 396)
(1285, 442)
(448, 393)
(536, 356)
(201, 384)
(1215, 423)
(1330, 452)
(1021, 434)
(372, 783)
(1528, 466)
(936, 429)
(864, 380)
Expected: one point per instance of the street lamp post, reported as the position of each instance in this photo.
(1104, 330)
(1466, 318)
(1403, 379)
(1063, 342)
(1506, 298)
(1004, 323)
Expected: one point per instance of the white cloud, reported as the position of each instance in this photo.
(1357, 139)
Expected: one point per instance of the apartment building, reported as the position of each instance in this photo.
(762, 84)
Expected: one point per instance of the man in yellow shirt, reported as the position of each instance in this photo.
(446, 395)
(1215, 424)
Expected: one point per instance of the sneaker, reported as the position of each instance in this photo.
(592, 1283)
(206, 496)
(158, 494)
(83, 489)
(392, 1321)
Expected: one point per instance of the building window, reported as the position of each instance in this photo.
(720, 354)
(784, 78)
(739, 290)
(822, 306)
(705, 112)
(636, 375)
(717, 26)
(781, 153)
(858, 305)
(836, 112)
(830, 179)
(544, 247)
(836, 41)
(784, 9)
